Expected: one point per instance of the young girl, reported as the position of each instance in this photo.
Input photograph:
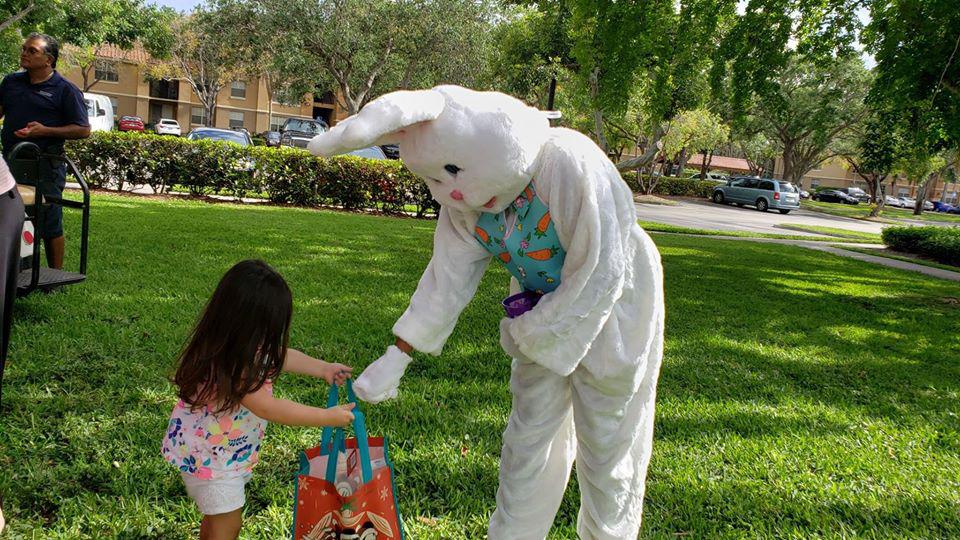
(225, 379)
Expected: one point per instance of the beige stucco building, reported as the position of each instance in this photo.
(121, 75)
(835, 173)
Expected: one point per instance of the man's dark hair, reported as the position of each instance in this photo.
(51, 47)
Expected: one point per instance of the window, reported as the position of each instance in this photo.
(766, 185)
(115, 104)
(198, 115)
(236, 120)
(238, 89)
(903, 192)
(814, 184)
(276, 123)
(105, 70)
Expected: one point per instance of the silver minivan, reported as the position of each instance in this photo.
(763, 193)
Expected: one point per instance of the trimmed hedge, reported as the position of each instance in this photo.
(940, 243)
(677, 187)
(120, 160)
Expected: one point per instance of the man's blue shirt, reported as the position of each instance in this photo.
(55, 102)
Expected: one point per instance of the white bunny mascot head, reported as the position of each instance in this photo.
(586, 349)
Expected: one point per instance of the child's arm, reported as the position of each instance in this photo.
(291, 413)
(297, 362)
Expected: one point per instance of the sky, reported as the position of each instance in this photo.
(179, 5)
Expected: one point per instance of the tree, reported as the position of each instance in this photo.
(916, 46)
(87, 23)
(812, 104)
(757, 150)
(363, 48)
(699, 130)
(199, 58)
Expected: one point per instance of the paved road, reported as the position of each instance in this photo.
(721, 217)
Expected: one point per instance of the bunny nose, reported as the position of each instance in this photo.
(456, 195)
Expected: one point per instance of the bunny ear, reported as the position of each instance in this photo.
(380, 122)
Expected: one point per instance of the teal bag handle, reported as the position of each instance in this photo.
(338, 436)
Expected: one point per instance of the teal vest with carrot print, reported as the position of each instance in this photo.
(524, 239)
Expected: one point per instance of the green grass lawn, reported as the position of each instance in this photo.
(653, 226)
(861, 211)
(900, 256)
(802, 395)
(865, 237)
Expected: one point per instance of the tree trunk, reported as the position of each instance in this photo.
(648, 156)
(922, 193)
(787, 158)
(876, 183)
(597, 113)
(682, 162)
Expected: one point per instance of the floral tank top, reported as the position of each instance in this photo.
(214, 446)
(524, 239)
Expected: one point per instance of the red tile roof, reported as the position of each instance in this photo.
(135, 54)
(721, 162)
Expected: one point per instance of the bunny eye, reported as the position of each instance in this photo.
(452, 169)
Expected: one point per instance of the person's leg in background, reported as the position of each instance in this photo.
(53, 180)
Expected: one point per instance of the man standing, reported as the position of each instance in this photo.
(42, 107)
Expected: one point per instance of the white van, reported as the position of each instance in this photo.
(99, 111)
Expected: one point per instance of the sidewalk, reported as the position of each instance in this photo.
(829, 248)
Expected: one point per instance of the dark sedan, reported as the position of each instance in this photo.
(834, 196)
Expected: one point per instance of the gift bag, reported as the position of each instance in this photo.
(345, 486)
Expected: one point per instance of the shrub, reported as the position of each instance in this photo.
(940, 243)
(677, 187)
(287, 175)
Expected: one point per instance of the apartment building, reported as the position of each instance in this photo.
(122, 76)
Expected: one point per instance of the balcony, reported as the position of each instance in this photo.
(165, 89)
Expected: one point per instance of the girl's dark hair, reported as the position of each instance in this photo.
(240, 340)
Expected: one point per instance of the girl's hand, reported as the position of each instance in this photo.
(340, 415)
(337, 373)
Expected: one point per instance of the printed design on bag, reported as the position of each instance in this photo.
(338, 526)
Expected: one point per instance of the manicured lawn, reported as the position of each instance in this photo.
(900, 256)
(653, 226)
(863, 210)
(802, 395)
(865, 237)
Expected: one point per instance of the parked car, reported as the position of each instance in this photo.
(892, 201)
(225, 135)
(804, 194)
(99, 111)
(856, 193)
(168, 126)
(271, 138)
(711, 177)
(391, 150)
(763, 193)
(130, 123)
(229, 136)
(907, 202)
(299, 132)
(372, 152)
(834, 196)
(942, 206)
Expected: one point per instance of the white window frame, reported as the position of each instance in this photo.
(106, 71)
(276, 123)
(233, 118)
(202, 116)
(238, 90)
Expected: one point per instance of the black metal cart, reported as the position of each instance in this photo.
(24, 162)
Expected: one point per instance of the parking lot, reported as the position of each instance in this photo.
(722, 217)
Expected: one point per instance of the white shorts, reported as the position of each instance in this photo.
(217, 496)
